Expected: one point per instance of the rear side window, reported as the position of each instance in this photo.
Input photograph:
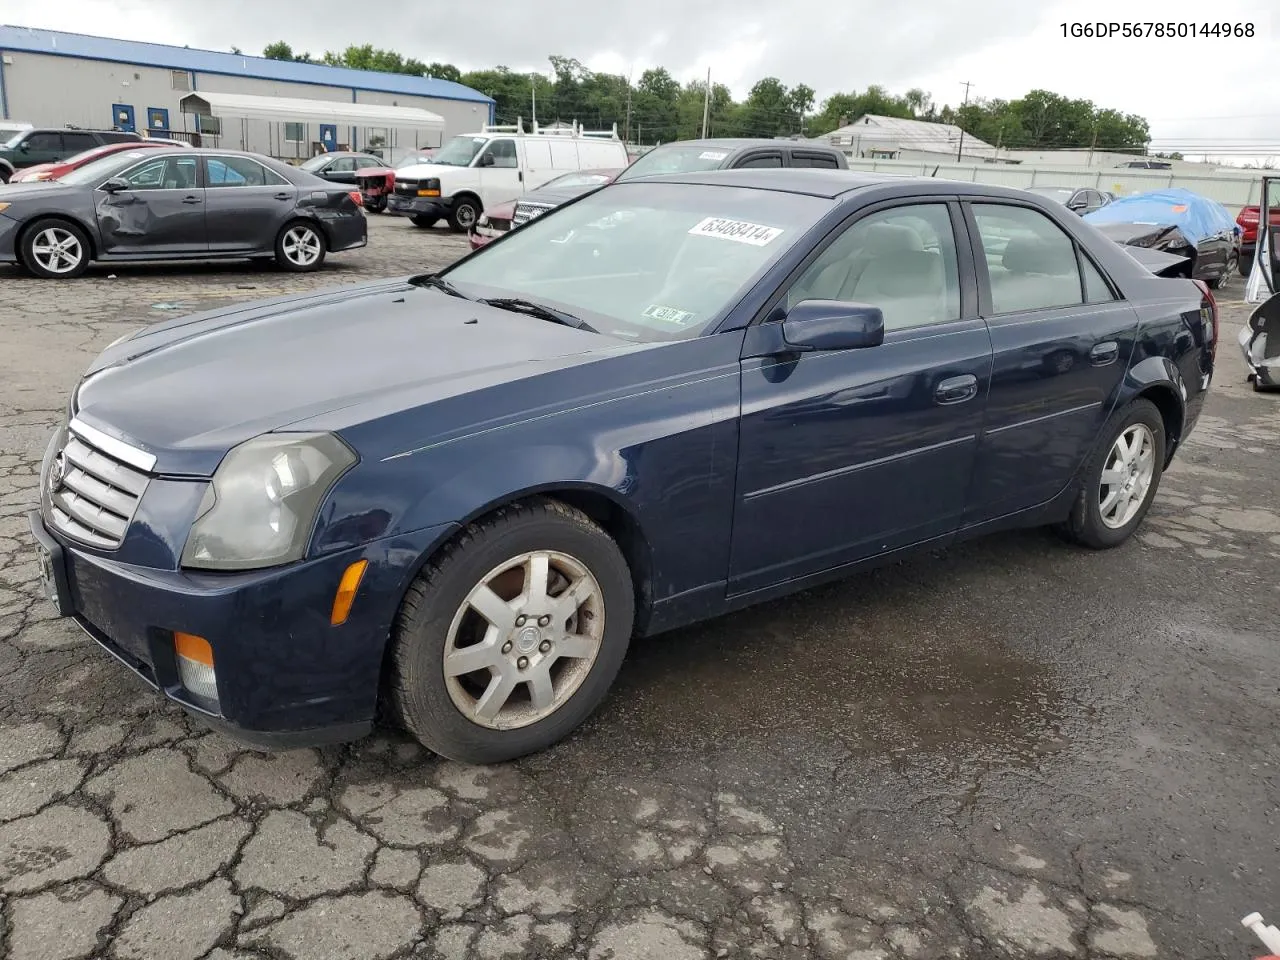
(239, 172)
(78, 142)
(1096, 289)
(821, 160)
(1031, 261)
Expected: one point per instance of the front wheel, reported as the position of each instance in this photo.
(55, 249)
(1120, 479)
(300, 247)
(424, 221)
(466, 211)
(511, 638)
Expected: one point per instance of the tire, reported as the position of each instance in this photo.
(1086, 525)
(300, 247)
(5, 174)
(423, 221)
(437, 613)
(1245, 264)
(464, 214)
(46, 233)
(376, 204)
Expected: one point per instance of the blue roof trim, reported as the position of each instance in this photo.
(57, 43)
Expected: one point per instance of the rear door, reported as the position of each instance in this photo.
(246, 204)
(161, 212)
(1062, 340)
(845, 455)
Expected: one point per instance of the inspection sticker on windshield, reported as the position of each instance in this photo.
(739, 230)
(711, 155)
(671, 315)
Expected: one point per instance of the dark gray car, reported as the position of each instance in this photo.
(734, 153)
(340, 167)
(1080, 199)
(177, 204)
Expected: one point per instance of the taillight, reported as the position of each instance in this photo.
(1208, 311)
(355, 197)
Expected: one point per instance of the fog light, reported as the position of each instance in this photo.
(195, 665)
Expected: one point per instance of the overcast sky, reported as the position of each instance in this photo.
(1194, 91)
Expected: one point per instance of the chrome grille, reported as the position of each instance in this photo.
(527, 210)
(92, 495)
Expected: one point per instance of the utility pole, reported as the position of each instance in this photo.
(960, 149)
(706, 105)
(533, 93)
(627, 134)
(1094, 145)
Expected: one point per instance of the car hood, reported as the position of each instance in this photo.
(189, 389)
(420, 171)
(558, 197)
(35, 190)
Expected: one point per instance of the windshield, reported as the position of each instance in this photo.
(98, 170)
(1061, 194)
(676, 159)
(644, 261)
(577, 179)
(460, 151)
(414, 159)
(315, 163)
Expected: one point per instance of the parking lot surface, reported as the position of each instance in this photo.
(1013, 748)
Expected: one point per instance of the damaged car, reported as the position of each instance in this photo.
(177, 204)
(1177, 222)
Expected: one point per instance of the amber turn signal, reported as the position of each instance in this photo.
(346, 594)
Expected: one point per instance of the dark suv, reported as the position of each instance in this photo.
(733, 153)
(52, 144)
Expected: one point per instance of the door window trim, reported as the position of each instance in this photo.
(964, 259)
(982, 275)
(767, 154)
(812, 155)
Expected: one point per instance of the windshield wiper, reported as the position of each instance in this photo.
(439, 283)
(540, 310)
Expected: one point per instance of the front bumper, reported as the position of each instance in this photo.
(286, 676)
(403, 206)
(1254, 347)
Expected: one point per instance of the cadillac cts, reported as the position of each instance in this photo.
(459, 496)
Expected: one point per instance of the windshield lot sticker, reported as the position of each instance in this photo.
(738, 230)
(711, 155)
(671, 315)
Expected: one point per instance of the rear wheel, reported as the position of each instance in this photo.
(300, 247)
(423, 220)
(511, 638)
(1120, 479)
(55, 249)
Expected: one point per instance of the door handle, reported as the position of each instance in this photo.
(282, 196)
(1104, 353)
(191, 200)
(956, 389)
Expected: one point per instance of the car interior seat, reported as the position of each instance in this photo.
(1033, 274)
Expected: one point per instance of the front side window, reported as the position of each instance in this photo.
(501, 154)
(44, 142)
(1030, 259)
(239, 172)
(344, 165)
(644, 261)
(163, 173)
(902, 260)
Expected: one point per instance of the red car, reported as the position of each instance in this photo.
(376, 182)
(500, 218)
(1248, 221)
(52, 171)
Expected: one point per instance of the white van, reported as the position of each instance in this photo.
(476, 171)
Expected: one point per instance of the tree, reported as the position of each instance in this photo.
(369, 57)
(278, 51)
(444, 71)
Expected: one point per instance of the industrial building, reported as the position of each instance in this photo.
(874, 137)
(281, 108)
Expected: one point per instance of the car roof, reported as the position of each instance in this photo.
(742, 143)
(830, 184)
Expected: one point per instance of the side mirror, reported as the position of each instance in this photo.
(24, 147)
(833, 325)
(115, 185)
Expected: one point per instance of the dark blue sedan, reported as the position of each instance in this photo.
(459, 496)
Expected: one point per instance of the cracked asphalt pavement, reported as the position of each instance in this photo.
(1013, 748)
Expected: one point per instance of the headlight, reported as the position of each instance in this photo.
(262, 501)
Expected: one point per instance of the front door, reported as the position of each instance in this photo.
(499, 168)
(42, 146)
(849, 454)
(161, 211)
(1062, 340)
(247, 204)
(122, 117)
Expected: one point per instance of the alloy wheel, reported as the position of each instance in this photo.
(301, 245)
(1127, 475)
(524, 640)
(57, 250)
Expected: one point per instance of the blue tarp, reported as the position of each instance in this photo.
(1196, 216)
